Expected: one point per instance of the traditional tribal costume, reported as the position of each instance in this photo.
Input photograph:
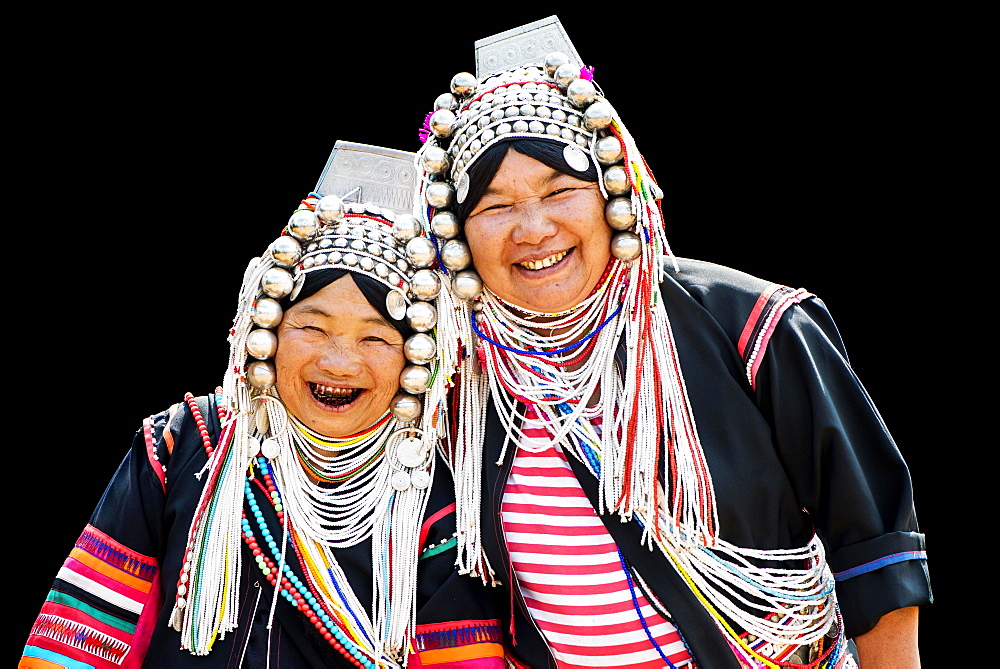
(233, 535)
(753, 510)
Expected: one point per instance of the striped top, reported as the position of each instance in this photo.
(570, 571)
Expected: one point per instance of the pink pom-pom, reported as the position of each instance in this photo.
(425, 130)
(587, 73)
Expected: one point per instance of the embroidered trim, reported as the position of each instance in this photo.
(109, 551)
(81, 637)
(895, 558)
(450, 635)
(770, 305)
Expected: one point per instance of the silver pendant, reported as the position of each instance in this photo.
(409, 453)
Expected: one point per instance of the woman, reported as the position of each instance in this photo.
(678, 465)
(298, 516)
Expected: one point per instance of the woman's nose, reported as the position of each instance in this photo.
(533, 224)
(340, 359)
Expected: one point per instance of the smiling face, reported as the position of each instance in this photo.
(338, 360)
(538, 236)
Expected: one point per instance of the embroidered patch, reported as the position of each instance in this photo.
(471, 644)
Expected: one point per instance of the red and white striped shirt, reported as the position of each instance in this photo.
(570, 572)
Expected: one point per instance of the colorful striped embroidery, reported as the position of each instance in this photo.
(469, 644)
(80, 636)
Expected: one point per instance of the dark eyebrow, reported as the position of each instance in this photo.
(553, 175)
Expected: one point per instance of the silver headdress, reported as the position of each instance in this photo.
(357, 219)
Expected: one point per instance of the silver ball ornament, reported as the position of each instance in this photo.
(608, 150)
(330, 209)
(276, 283)
(286, 251)
(415, 379)
(445, 225)
(439, 195)
(466, 285)
(581, 92)
(425, 284)
(422, 316)
(626, 246)
(553, 60)
(598, 115)
(406, 227)
(303, 224)
(616, 180)
(266, 313)
(618, 213)
(464, 84)
(446, 101)
(434, 159)
(420, 348)
(442, 122)
(406, 407)
(420, 252)
(565, 74)
(455, 255)
(261, 374)
(262, 344)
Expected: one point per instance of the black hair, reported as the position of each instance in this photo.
(374, 291)
(546, 151)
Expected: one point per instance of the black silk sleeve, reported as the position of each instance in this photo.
(844, 466)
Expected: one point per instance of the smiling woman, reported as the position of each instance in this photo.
(300, 515)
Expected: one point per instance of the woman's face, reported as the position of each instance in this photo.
(538, 236)
(338, 360)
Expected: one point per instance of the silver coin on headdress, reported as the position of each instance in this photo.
(395, 304)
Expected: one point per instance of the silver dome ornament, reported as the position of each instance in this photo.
(445, 224)
(399, 481)
(420, 478)
(395, 304)
(262, 344)
(626, 246)
(439, 195)
(261, 374)
(415, 379)
(581, 92)
(565, 74)
(406, 227)
(442, 122)
(286, 251)
(266, 313)
(608, 150)
(421, 252)
(330, 209)
(435, 159)
(616, 180)
(425, 284)
(303, 224)
(455, 255)
(618, 213)
(276, 283)
(553, 60)
(406, 407)
(464, 84)
(446, 101)
(420, 348)
(421, 315)
(598, 115)
(466, 285)
(576, 158)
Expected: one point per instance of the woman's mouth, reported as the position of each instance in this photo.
(549, 261)
(333, 396)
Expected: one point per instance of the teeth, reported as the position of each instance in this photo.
(545, 262)
(330, 391)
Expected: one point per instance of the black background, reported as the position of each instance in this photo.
(155, 156)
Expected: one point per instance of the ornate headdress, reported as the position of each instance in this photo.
(531, 84)
(364, 226)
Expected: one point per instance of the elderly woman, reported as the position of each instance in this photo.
(677, 464)
(298, 517)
